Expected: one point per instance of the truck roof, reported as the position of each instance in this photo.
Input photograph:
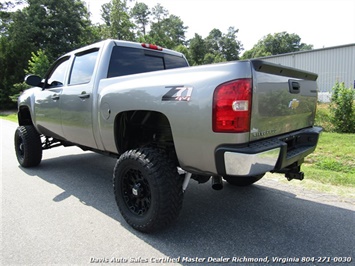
(126, 44)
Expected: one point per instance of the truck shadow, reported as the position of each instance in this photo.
(255, 221)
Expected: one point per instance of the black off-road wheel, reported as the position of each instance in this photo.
(148, 189)
(28, 146)
(243, 181)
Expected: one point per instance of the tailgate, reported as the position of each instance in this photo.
(284, 99)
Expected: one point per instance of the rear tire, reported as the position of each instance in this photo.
(243, 181)
(28, 146)
(148, 189)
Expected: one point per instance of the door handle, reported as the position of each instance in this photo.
(55, 97)
(84, 95)
(294, 87)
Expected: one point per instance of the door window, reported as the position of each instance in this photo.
(83, 67)
(56, 78)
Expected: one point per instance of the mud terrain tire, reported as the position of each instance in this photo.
(28, 146)
(148, 189)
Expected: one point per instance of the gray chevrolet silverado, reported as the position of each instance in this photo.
(168, 123)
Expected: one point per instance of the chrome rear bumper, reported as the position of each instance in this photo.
(270, 155)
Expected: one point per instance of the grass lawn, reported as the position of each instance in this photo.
(333, 162)
(9, 116)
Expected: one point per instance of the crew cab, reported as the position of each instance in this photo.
(168, 123)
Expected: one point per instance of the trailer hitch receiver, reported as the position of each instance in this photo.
(294, 173)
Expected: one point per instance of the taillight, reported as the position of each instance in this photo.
(152, 46)
(232, 106)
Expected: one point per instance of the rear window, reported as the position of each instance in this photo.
(127, 61)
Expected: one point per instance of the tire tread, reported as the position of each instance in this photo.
(32, 146)
(169, 185)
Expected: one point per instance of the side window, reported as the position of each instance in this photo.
(83, 67)
(127, 61)
(57, 75)
(172, 61)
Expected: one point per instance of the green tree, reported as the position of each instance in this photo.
(197, 50)
(231, 47)
(157, 34)
(221, 47)
(117, 21)
(140, 12)
(279, 43)
(211, 58)
(5, 20)
(159, 13)
(5, 75)
(56, 27)
(14, 50)
(258, 50)
(105, 13)
(5, 16)
(213, 42)
(169, 32)
(166, 30)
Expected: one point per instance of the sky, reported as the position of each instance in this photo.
(322, 23)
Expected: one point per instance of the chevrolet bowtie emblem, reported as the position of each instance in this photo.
(294, 104)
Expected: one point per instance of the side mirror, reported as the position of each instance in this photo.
(33, 80)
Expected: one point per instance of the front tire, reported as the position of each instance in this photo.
(243, 181)
(148, 189)
(28, 146)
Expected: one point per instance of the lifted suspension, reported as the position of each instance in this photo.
(50, 142)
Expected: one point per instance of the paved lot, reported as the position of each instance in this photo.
(63, 212)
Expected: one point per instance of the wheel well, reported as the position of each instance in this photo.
(24, 116)
(135, 129)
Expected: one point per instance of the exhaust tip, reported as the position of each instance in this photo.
(217, 183)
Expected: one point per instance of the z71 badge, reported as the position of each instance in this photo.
(178, 93)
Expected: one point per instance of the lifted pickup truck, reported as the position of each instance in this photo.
(168, 123)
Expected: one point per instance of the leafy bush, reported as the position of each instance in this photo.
(17, 89)
(324, 117)
(342, 109)
(38, 65)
